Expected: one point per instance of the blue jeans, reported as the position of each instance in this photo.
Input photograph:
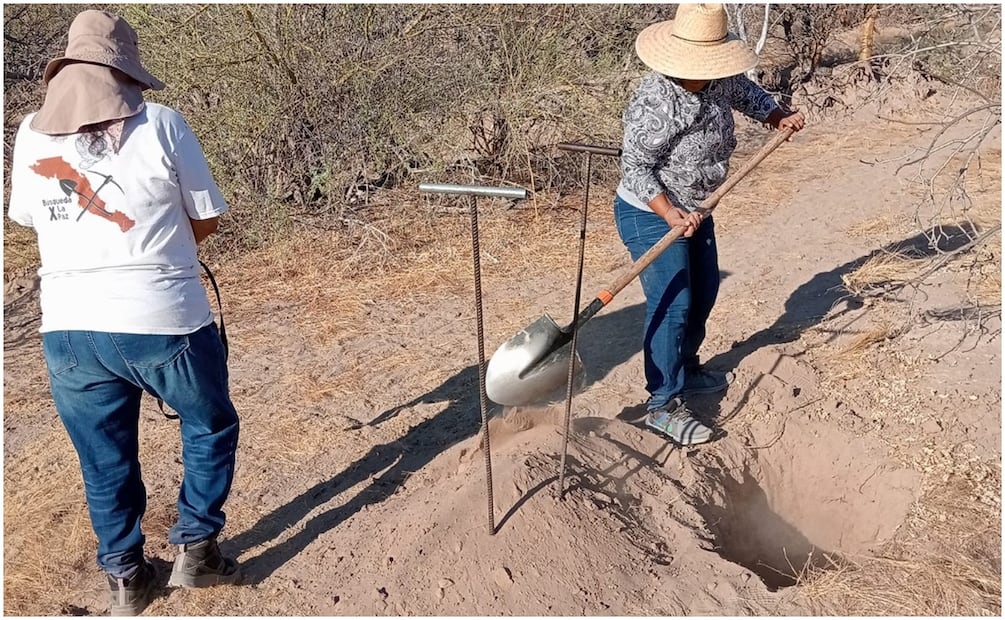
(97, 380)
(680, 286)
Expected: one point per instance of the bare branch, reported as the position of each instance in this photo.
(946, 127)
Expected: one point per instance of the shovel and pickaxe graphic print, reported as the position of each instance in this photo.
(71, 181)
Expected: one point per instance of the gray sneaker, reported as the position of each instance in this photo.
(676, 422)
(697, 380)
(201, 565)
(131, 595)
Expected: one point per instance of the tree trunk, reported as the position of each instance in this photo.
(868, 34)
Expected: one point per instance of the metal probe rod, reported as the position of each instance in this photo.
(590, 151)
(473, 191)
(576, 147)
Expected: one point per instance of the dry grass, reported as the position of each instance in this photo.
(882, 269)
(945, 561)
(930, 585)
(20, 251)
(979, 267)
(47, 532)
(880, 228)
(864, 341)
(429, 258)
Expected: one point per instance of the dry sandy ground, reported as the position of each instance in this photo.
(853, 448)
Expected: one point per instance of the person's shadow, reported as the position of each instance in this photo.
(824, 295)
(605, 342)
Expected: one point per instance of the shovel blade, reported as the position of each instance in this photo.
(532, 366)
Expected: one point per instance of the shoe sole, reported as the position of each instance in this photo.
(203, 581)
(129, 610)
(181, 580)
(140, 603)
(665, 435)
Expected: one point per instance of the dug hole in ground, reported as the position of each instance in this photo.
(859, 471)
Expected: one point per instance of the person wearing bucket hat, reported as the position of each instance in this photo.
(120, 194)
(678, 138)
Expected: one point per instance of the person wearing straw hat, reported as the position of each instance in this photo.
(678, 138)
(120, 194)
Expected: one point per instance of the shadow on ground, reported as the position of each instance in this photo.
(824, 296)
(607, 340)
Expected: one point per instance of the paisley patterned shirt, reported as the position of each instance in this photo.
(679, 143)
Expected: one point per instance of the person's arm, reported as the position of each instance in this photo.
(204, 228)
(649, 129)
(18, 204)
(753, 101)
(200, 195)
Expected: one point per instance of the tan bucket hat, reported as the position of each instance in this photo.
(695, 45)
(102, 38)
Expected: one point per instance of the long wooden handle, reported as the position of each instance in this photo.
(705, 208)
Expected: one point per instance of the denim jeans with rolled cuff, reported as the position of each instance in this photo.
(97, 380)
(681, 286)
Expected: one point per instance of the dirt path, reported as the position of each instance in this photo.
(360, 485)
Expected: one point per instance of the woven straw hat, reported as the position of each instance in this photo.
(105, 39)
(695, 45)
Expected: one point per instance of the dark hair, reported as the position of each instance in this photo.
(93, 141)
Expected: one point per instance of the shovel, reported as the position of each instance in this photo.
(529, 367)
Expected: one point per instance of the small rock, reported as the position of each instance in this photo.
(745, 577)
(458, 546)
(382, 593)
(439, 594)
(503, 577)
(446, 583)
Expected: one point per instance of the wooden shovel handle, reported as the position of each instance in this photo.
(705, 208)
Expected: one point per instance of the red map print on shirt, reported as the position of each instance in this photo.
(72, 181)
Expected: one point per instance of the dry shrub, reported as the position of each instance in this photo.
(307, 112)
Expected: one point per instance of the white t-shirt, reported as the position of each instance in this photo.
(117, 248)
